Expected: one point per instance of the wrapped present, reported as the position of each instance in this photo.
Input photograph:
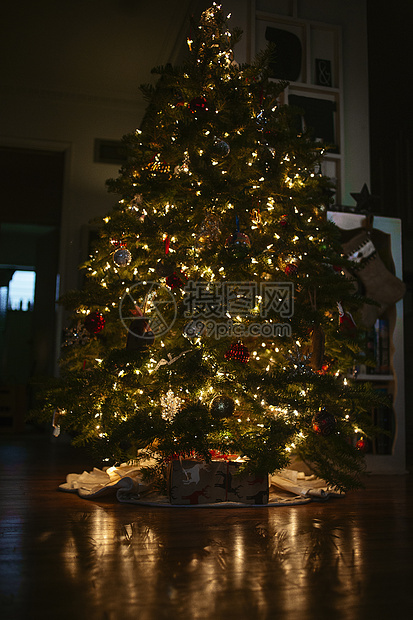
(197, 482)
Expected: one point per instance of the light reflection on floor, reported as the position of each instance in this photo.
(150, 563)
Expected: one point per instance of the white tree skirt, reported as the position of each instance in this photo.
(287, 487)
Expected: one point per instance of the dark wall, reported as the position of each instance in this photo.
(390, 44)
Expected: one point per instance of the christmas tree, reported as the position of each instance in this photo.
(208, 321)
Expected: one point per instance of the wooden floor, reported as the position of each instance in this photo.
(63, 557)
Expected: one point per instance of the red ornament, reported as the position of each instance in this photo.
(176, 280)
(118, 243)
(95, 322)
(238, 352)
(324, 423)
(326, 366)
(284, 221)
(291, 269)
(361, 444)
(199, 104)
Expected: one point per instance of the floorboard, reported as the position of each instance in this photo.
(63, 557)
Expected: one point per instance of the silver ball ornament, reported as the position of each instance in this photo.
(238, 244)
(122, 257)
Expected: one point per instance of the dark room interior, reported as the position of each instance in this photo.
(105, 551)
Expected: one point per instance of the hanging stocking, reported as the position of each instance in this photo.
(379, 283)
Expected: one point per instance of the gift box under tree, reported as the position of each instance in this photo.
(198, 482)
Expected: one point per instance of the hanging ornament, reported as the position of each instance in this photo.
(136, 201)
(170, 360)
(194, 329)
(362, 444)
(298, 360)
(238, 352)
(95, 322)
(256, 218)
(181, 169)
(283, 221)
(166, 266)
(122, 257)
(222, 407)
(135, 205)
(261, 119)
(266, 157)
(176, 280)
(238, 244)
(77, 335)
(324, 423)
(171, 405)
(184, 167)
(140, 335)
(209, 231)
(57, 415)
(271, 152)
(118, 243)
(347, 324)
(291, 269)
(198, 106)
(326, 366)
(317, 347)
(221, 148)
(157, 168)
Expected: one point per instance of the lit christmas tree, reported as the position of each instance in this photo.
(209, 321)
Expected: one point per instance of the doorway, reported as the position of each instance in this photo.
(30, 214)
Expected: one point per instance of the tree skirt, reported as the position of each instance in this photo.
(287, 488)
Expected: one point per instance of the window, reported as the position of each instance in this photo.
(21, 290)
